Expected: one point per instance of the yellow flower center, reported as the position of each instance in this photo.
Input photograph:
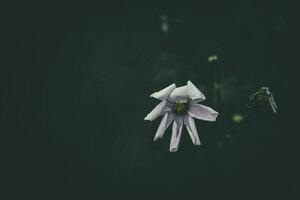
(180, 108)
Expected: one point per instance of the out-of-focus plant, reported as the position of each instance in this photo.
(260, 101)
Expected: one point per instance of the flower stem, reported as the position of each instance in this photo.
(217, 84)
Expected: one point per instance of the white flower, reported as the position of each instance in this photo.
(180, 106)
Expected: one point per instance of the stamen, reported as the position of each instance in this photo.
(180, 108)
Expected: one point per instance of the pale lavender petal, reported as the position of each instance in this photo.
(164, 124)
(194, 93)
(179, 94)
(164, 93)
(156, 112)
(168, 108)
(191, 127)
(202, 112)
(176, 134)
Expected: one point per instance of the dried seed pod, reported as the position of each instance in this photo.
(262, 100)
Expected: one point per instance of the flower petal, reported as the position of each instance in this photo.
(164, 124)
(179, 94)
(156, 112)
(168, 107)
(194, 93)
(272, 103)
(164, 93)
(176, 134)
(202, 112)
(191, 127)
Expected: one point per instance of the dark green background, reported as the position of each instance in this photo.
(75, 88)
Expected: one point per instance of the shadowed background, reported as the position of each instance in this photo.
(75, 89)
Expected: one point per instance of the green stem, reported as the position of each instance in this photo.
(217, 85)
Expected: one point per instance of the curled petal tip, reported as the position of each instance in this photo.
(194, 93)
(147, 118)
(197, 142)
(216, 115)
(156, 112)
(174, 150)
(214, 118)
(164, 93)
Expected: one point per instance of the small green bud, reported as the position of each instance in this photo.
(212, 58)
(237, 118)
